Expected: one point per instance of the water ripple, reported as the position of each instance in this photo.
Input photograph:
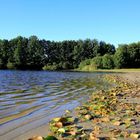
(33, 96)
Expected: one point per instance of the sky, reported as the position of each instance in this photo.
(112, 21)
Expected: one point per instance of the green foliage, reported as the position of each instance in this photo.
(10, 65)
(97, 62)
(89, 68)
(32, 53)
(134, 55)
(20, 53)
(101, 48)
(128, 56)
(35, 51)
(107, 61)
(121, 57)
(50, 67)
(84, 63)
(4, 53)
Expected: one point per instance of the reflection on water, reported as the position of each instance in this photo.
(38, 94)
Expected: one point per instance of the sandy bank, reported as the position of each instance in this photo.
(133, 77)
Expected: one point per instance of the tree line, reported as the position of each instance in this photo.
(33, 53)
(125, 56)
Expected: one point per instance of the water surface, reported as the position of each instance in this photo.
(29, 99)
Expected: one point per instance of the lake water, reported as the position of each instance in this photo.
(30, 99)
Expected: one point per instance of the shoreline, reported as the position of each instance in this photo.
(127, 95)
(44, 129)
(129, 70)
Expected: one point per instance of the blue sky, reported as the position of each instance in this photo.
(114, 21)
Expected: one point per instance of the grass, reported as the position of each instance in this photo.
(119, 70)
(89, 68)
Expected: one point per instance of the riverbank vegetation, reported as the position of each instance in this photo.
(33, 53)
(126, 56)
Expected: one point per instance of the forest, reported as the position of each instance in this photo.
(33, 53)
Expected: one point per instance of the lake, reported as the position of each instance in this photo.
(29, 99)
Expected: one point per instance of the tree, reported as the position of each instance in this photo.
(101, 48)
(107, 61)
(134, 55)
(78, 53)
(20, 53)
(35, 54)
(97, 61)
(32, 53)
(4, 53)
(121, 57)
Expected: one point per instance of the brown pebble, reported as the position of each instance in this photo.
(36, 138)
(59, 124)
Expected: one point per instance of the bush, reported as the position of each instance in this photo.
(50, 67)
(89, 68)
(107, 61)
(10, 65)
(84, 63)
(97, 62)
(121, 57)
